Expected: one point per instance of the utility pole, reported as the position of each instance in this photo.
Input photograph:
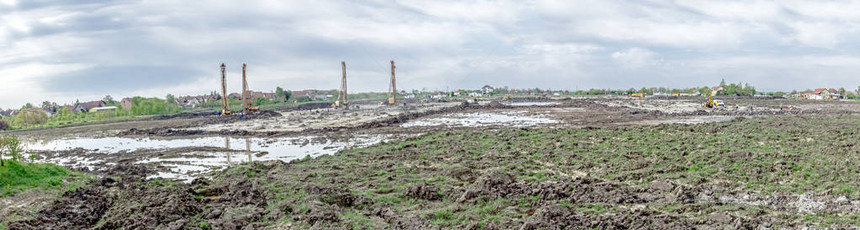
(392, 93)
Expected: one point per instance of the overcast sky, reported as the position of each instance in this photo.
(63, 50)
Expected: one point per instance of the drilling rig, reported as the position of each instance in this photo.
(342, 100)
(392, 88)
(225, 110)
(246, 95)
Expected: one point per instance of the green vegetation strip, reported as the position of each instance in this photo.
(16, 177)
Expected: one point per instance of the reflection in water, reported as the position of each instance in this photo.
(248, 149)
(346, 146)
(227, 146)
(185, 159)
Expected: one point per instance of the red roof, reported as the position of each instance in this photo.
(818, 91)
(92, 104)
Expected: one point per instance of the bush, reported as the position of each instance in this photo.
(32, 117)
(304, 99)
(12, 146)
(4, 125)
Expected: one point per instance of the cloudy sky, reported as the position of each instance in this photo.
(63, 50)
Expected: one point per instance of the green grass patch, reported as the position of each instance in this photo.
(16, 177)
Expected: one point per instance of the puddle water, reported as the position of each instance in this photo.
(183, 158)
(533, 103)
(513, 119)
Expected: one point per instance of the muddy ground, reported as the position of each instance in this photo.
(643, 177)
(599, 163)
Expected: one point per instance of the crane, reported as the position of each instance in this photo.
(342, 100)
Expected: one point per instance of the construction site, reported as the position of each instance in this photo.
(549, 162)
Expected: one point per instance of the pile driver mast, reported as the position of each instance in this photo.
(392, 88)
(224, 106)
(342, 99)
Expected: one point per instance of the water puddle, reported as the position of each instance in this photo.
(188, 158)
(511, 119)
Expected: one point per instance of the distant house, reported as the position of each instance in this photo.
(823, 93)
(8, 113)
(125, 103)
(252, 95)
(190, 102)
(51, 108)
(86, 106)
(255, 95)
(70, 108)
(103, 109)
(487, 89)
(311, 93)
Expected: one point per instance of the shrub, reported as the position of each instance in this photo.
(12, 146)
(4, 125)
(32, 117)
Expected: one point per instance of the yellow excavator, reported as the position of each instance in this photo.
(639, 95)
(711, 103)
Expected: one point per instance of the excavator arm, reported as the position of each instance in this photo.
(710, 103)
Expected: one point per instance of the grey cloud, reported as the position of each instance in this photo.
(464, 44)
(120, 78)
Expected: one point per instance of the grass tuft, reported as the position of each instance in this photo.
(16, 176)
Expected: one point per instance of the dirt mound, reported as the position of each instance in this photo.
(150, 207)
(187, 115)
(332, 195)
(132, 202)
(312, 106)
(77, 209)
(159, 132)
(262, 114)
(424, 191)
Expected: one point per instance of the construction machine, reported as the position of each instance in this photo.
(639, 95)
(711, 103)
(392, 88)
(246, 95)
(342, 100)
(225, 110)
